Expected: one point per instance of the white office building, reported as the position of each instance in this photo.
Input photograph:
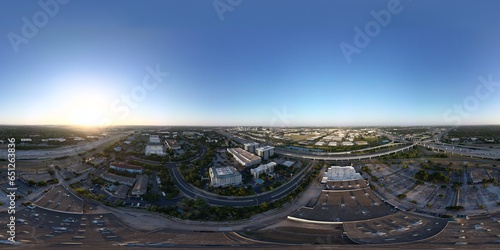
(154, 150)
(265, 168)
(265, 152)
(341, 173)
(225, 176)
(250, 147)
(154, 139)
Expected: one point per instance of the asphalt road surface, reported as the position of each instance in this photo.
(60, 152)
(306, 155)
(253, 200)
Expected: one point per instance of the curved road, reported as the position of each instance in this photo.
(236, 201)
(278, 193)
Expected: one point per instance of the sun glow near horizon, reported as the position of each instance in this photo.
(82, 100)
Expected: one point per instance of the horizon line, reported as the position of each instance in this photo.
(265, 126)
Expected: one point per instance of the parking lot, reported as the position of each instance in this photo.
(395, 228)
(60, 199)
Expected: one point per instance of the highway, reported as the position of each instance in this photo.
(478, 152)
(306, 155)
(63, 151)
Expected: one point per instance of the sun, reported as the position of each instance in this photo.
(86, 110)
(81, 99)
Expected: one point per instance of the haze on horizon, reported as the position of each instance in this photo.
(267, 63)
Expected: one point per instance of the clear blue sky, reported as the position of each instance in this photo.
(263, 57)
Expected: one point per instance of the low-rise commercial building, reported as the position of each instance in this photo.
(245, 158)
(140, 186)
(154, 150)
(119, 166)
(121, 191)
(265, 152)
(129, 181)
(265, 168)
(172, 144)
(154, 139)
(225, 176)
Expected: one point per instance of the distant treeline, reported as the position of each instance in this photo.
(43, 132)
(485, 132)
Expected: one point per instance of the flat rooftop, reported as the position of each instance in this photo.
(225, 171)
(243, 154)
(125, 166)
(265, 148)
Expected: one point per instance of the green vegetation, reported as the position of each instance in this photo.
(441, 155)
(454, 208)
(490, 180)
(167, 184)
(434, 177)
(151, 197)
(233, 191)
(199, 209)
(98, 181)
(456, 185)
(413, 153)
(192, 173)
(75, 185)
(401, 196)
(90, 195)
(369, 172)
(481, 132)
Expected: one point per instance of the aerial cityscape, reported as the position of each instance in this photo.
(233, 124)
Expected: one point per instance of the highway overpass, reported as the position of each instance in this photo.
(309, 156)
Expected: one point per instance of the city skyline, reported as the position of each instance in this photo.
(257, 63)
